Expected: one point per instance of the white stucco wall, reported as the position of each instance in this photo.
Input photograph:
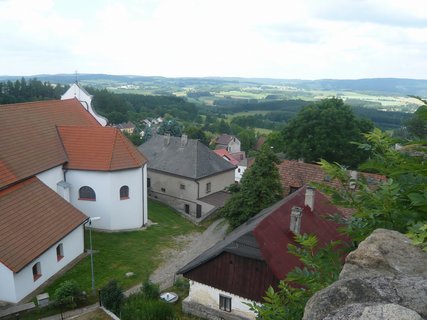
(51, 177)
(172, 184)
(234, 146)
(116, 214)
(218, 182)
(21, 284)
(209, 297)
(85, 100)
(239, 172)
(7, 287)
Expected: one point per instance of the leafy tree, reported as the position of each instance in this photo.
(399, 203)
(260, 187)
(321, 268)
(247, 139)
(197, 133)
(275, 140)
(170, 126)
(112, 297)
(134, 137)
(68, 294)
(417, 124)
(325, 130)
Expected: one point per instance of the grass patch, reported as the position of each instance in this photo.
(120, 252)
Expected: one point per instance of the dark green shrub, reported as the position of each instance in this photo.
(150, 290)
(68, 295)
(138, 307)
(112, 297)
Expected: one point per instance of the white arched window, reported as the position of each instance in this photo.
(87, 193)
(124, 192)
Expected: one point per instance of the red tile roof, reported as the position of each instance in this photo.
(99, 148)
(33, 218)
(227, 156)
(273, 233)
(30, 142)
(28, 138)
(296, 174)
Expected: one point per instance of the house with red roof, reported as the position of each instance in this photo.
(239, 269)
(58, 167)
(295, 174)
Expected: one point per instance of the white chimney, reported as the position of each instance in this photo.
(167, 139)
(295, 224)
(184, 140)
(309, 197)
(353, 179)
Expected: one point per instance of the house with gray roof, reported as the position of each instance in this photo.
(187, 175)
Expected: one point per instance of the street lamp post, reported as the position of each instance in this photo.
(91, 251)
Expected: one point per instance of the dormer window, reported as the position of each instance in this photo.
(87, 193)
(124, 193)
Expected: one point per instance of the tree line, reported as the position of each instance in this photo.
(29, 90)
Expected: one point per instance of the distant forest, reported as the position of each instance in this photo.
(136, 107)
(29, 90)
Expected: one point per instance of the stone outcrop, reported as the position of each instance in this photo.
(385, 278)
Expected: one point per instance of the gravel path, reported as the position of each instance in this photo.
(191, 246)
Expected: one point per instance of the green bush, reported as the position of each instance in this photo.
(150, 290)
(112, 297)
(68, 295)
(138, 307)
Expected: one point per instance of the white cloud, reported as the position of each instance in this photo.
(270, 38)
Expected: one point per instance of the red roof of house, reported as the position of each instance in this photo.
(33, 219)
(99, 148)
(296, 174)
(29, 140)
(273, 233)
(227, 156)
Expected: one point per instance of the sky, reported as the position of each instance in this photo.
(298, 39)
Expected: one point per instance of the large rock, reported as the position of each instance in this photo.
(385, 278)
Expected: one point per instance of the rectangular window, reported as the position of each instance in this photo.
(224, 303)
(59, 252)
(148, 183)
(187, 208)
(163, 190)
(208, 187)
(37, 272)
(182, 187)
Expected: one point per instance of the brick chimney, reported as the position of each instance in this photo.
(295, 221)
(309, 197)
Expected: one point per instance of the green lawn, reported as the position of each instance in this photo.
(136, 251)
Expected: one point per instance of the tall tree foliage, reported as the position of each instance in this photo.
(326, 130)
(29, 90)
(260, 187)
(398, 203)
